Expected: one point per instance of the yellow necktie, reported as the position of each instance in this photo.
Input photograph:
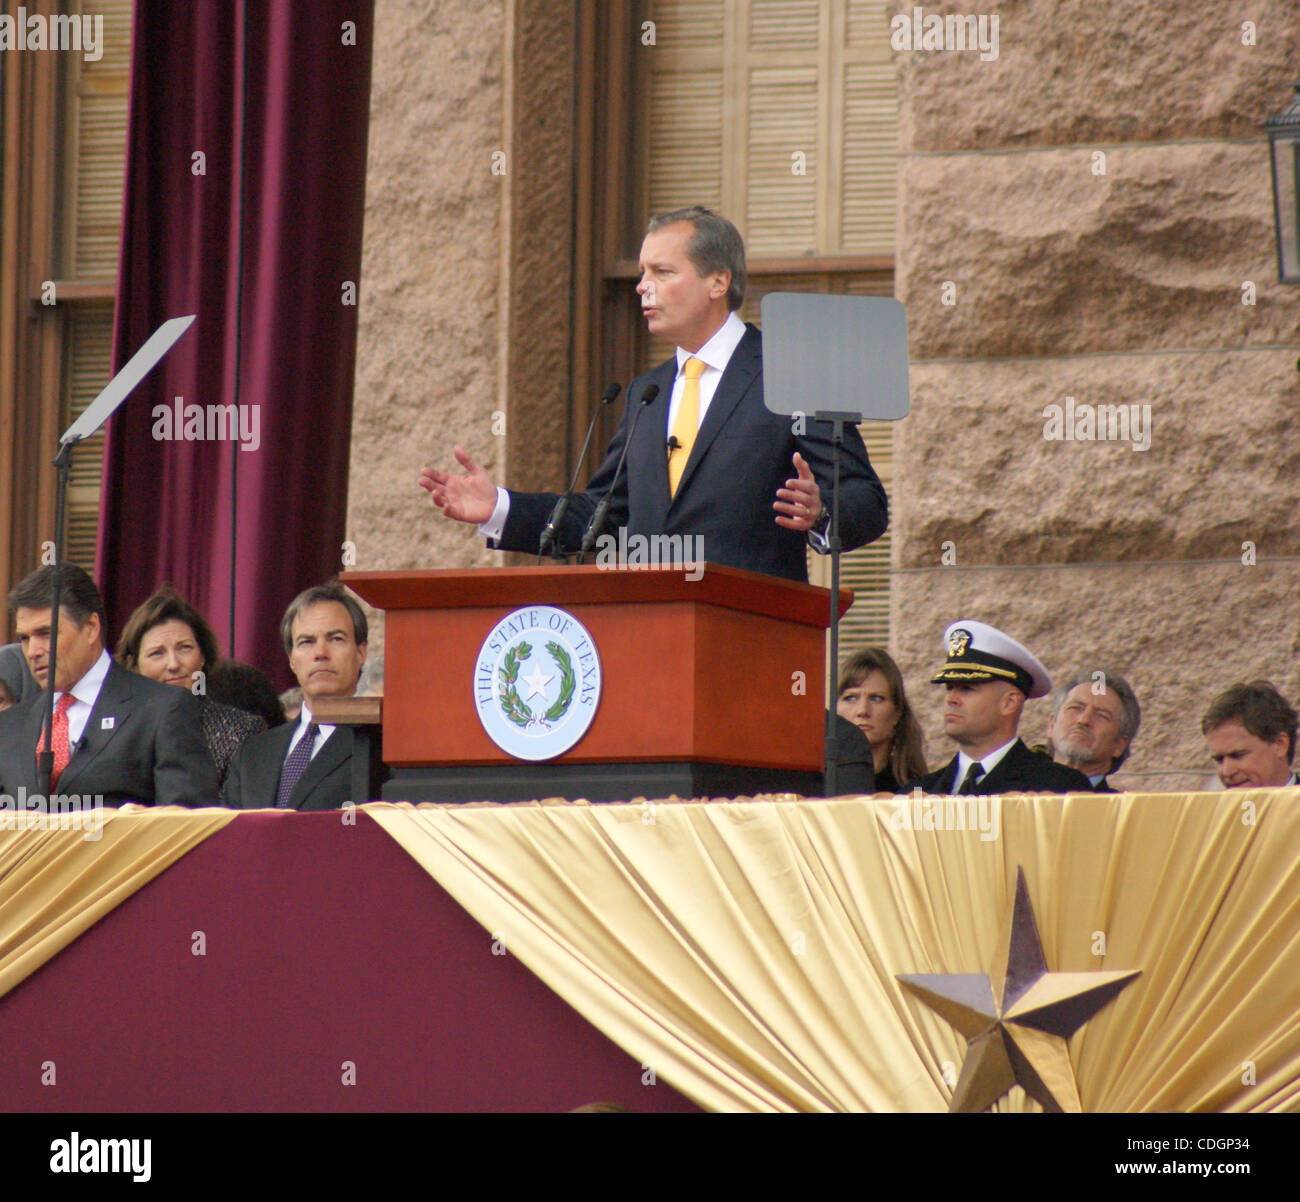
(687, 425)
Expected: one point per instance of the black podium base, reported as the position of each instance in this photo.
(595, 782)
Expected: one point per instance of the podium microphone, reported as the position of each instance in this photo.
(602, 510)
(547, 539)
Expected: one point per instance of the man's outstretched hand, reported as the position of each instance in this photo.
(468, 498)
(800, 501)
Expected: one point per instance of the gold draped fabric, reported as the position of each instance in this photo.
(55, 883)
(747, 951)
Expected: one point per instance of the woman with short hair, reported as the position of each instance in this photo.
(168, 640)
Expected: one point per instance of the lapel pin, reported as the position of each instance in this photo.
(107, 723)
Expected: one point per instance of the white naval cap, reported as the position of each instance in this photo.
(978, 652)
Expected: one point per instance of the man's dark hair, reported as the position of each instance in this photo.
(1130, 712)
(246, 688)
(715, 246)
(166, 605)
(79, 597)
(330, 591)
(1259, 707)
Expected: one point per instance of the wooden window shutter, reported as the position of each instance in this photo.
(783, 115)
(94, 161)
(89, 353)
(781, 112)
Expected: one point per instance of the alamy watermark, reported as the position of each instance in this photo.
(61, 812)
(63, 31)
(1098, 423)
(83, 1154)
(932, 812)
(180, 422)
(646, 551)
(947, 31)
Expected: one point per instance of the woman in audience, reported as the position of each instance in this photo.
(871, 696)
(168, 640)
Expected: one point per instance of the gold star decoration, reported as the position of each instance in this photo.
(1016, 1021)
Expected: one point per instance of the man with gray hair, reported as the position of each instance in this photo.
(1094, 721)
(706, 461)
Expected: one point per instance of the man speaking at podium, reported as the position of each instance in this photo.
(707, 459)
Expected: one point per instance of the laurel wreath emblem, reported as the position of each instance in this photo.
(514, 707)
(568, 682)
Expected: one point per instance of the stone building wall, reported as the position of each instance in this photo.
(1099, 198)
(1097, 195)
(465, 289)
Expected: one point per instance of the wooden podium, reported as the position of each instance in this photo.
(711, 686)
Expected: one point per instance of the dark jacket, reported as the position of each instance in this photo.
(742, 455)
(855, 762)
(254, 775)
(143, 742)
(1019, 771)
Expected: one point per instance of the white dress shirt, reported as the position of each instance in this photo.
(714, 354)
(988, 762)
(305, 720)
(86, 692)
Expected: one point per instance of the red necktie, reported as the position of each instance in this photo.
(62, 748)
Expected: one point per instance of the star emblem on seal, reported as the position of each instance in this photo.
(537, 683)
(1017, 1019)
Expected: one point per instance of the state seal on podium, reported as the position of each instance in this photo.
(537, 682)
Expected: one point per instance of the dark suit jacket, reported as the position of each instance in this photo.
(1019, 771)
(254, 775)
(741, 456)
(1104, 786)
(855, 762)
(152, 751)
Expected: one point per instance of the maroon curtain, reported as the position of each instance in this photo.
(269, 98)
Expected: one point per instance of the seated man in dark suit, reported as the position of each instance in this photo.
(306, 765)
(1094, 719)
(116, 735)
(989, 678)
(707, 462)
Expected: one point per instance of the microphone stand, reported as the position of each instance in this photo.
(547, 539)
(602, 510)
(45, 761)
(92, 417)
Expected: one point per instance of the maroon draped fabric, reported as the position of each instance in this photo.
(323, 942)
(279, 88)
